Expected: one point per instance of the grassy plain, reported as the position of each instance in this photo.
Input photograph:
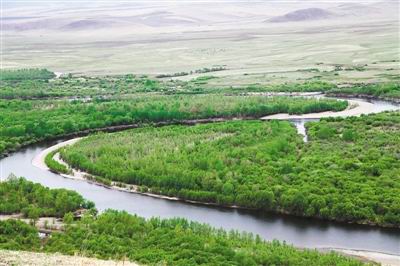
(160, 38)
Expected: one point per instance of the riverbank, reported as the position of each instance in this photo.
(368, 256)
(355, 108)
(363, 96)
(39, 162)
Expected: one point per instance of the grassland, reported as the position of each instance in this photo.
(161, 38)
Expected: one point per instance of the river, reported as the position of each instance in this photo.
(301, 232)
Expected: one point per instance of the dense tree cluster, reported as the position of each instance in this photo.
(25, 74)
(23, 122)
(262, 165)
(359, 158)
(18, 195)
(17, 235)
(54, 165)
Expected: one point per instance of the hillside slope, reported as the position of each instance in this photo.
(25, 258)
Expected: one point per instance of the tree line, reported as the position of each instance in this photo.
(25, 74)
(17, 195)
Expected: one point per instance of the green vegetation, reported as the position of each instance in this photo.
(18, 195)
(81, 87)
(54, 165)
(17, 235)
(384, 90)
(311, 86)
(25, 74)
(39, 84)
(359, 159)
(261, 165)
(197, 71)
(121, 236)
(24, 122)
(127, 85)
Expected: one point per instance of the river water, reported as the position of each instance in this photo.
(301, 232)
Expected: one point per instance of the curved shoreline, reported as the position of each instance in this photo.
(386, 259)
(39, 161)
(363, 96)
(355, 108)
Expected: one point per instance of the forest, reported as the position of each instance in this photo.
(346, 172)
(261, 165)
(23, 122)
(122, 236)
(18, 195)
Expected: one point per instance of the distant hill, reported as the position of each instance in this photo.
(86, 24)
(303, 15)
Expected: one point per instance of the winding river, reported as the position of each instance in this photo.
(300, 232)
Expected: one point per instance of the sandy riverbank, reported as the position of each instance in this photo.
(383, 258)
(39, 160)
(355, 108)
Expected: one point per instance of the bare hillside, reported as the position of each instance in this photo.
(304, 15)
(24, 258)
